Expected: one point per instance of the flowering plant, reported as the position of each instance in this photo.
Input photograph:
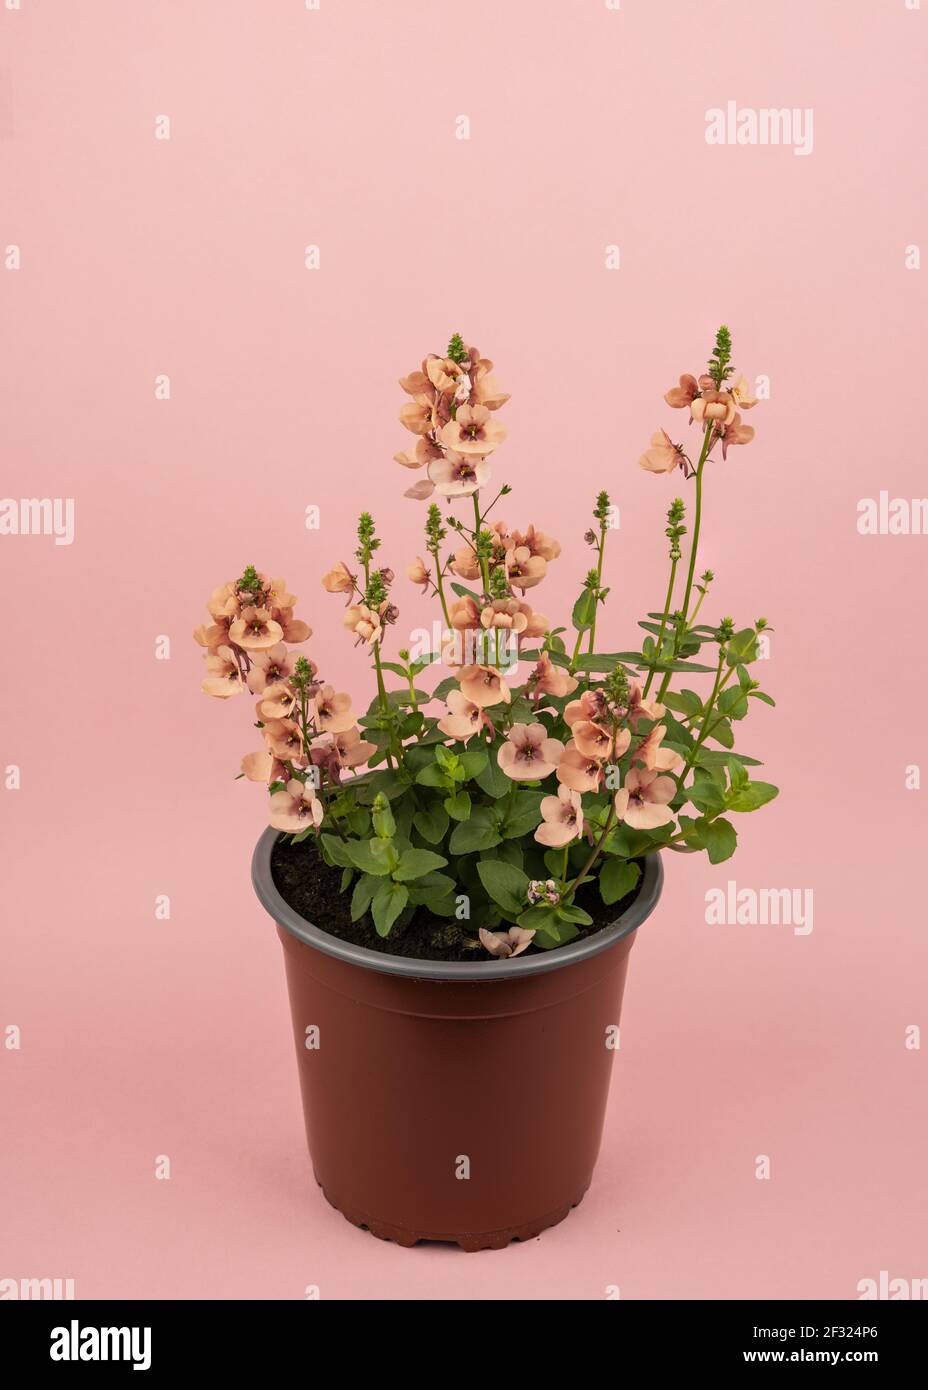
(530, 800)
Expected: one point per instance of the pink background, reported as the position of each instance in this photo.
(337, 128)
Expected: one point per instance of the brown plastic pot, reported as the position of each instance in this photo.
(454, 1101)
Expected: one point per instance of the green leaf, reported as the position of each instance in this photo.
(584, 611)
(415, 863)
(387, 904)
(432, 776)
(616, 878)
(706, 792)
(432, 822)
(473, 762)
(752, 796)
(444, 757)
(463, 592)
(737, 774)
(493, 781)
(347, 876)
(392, 666)
(522, 814)
(479, 832)
(336, 851)
(720, 840)
(684, 702)
(574, 914)
(458, 806)
(364, 890)
(742, 648)
(504, 883)
(362, 857)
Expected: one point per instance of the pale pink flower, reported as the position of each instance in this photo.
(420, 573)
(577, 771)
(351, 748)
(736, 433)
(639, 707)
(463, 718)
(713, 405)
(333, 712)
(681, 396)
(483, 685)
(458, 475)
(255, 629)
(529, 753)
(523, 569)
(284, 739)
(276, 702)
(506, 943)
(224, 677)
(653, 755)
(548, 679)
(663, 455)
(363, 622)
(295, 807)
(591, 705)
(642, 802)
(270, 666)
(594, 740)
(338, 580)
(562, 819)
(472, 431)
(743, 394)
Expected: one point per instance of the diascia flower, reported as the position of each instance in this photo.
(642, 802)
(529, 754)
(225, 677)
(296, 807)
(562, 819)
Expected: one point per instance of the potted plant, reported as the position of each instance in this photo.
(457, 917)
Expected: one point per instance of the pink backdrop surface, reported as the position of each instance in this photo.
(336, 128)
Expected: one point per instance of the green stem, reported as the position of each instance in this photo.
(384, 703)
(660, 636)
(441, 590)
(704, 728)
(484, 568)
(697, 518)
(599, 580)
(576, 651)
(412, 690)
(594, 855)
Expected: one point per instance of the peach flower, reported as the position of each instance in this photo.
(418, 414)
(284, 739)
(465, 563)
(483, 686)
(523, 569)
(420, 573)
(464, 614)
(578, 771)
(681, 396)
(591, 705)
(506, 943)
(639, 707)
(562, 819)
(472, 431)
(548, 679)
(294, 629)
(529, 753)
(333, 712)
(642, 802)
(714, 405)
(505, 613)
(653, 756)
(363, 622)
(296, 807)
(736, 433)
(276, 702)
(663, 455)
(255, 629)
(536, 543)
(338, 580)
(458, 475)
(270, 666)
(224, 677)
(463, 718)
(593, 740)
(743, 395)
(351, 748)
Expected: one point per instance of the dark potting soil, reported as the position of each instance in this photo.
(313, 889)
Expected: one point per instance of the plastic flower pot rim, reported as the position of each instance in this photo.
(521, 967)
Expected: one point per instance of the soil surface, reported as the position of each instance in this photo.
(313, 889)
